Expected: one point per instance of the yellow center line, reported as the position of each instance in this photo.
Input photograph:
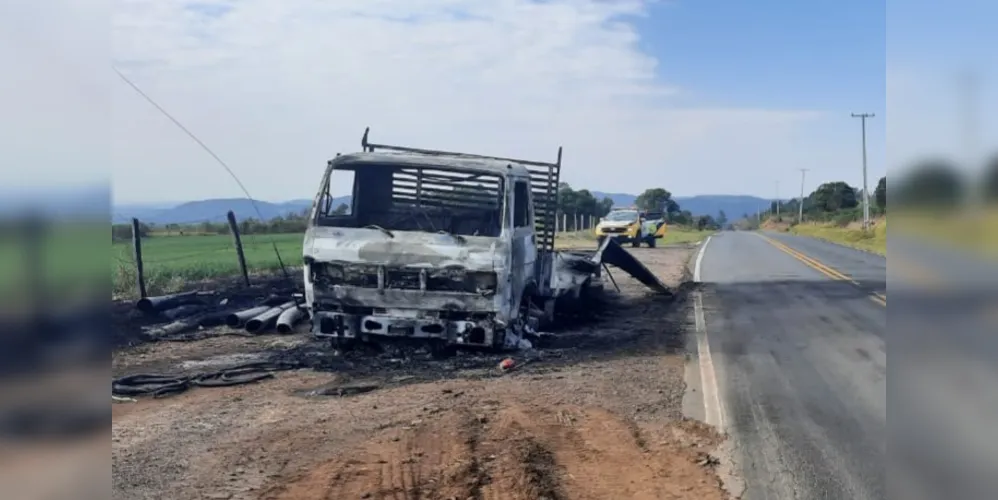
(813, 263)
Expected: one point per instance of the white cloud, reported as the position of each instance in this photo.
(54, 94)
(278, 87)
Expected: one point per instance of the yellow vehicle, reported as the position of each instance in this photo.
(630, 225)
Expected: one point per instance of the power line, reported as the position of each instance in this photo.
(209, 151)
(192, 136)
(866, 188)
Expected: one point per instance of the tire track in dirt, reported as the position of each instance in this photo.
(507, 451)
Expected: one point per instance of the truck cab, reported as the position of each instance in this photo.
(439, 246)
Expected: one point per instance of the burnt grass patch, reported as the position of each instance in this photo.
(620, 326)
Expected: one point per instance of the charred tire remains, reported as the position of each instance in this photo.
(157, 386)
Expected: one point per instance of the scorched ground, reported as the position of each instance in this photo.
(597, 415)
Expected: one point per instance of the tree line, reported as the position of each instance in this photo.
(584, 203)
(933, 184)
(836, 202)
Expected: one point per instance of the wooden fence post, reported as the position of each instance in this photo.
(140, 279)
(234, 227)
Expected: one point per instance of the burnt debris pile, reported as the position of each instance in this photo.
(198, 314)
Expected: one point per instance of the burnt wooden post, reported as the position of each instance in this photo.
(234, 227)
(140, 278)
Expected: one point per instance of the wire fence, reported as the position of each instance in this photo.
(169, 262)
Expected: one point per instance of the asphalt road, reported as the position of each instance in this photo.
(799, 353)
(944, 373)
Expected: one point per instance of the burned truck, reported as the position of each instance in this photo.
(449, 248)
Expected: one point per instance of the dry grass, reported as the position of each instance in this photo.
(975, 231)
(853, 235)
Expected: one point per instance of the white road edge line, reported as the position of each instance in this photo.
(708, 378)
(696, 267)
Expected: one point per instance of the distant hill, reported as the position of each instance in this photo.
(214, 210)
(734, 206)
(619, 199)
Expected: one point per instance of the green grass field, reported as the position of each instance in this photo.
(66, 261)
(171, 261)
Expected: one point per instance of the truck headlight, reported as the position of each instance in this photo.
(331, 272)
(484, 280)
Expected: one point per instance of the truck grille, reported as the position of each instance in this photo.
(437, 280)
(615, 230)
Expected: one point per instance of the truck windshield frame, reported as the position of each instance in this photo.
(418, 198)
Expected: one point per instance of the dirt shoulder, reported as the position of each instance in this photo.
(595, 416)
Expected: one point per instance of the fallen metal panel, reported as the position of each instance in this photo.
(610, 252)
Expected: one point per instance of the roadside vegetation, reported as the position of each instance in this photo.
(832, 212)
(175, 255)
(853, 235)
(935, 202)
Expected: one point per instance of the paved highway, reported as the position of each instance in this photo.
(944, 402)
(797, 330)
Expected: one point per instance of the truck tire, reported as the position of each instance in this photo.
(651, 241)
(637, 240)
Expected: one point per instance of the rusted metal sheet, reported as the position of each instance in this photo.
(610, 252)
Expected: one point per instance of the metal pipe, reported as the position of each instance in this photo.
(266, 319)
(274, 300)
(288, 319)
(151, 305)
(183, 311)
(236, 320)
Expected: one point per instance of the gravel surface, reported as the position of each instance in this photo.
(597, 414)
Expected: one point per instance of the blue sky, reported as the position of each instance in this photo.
(762, 89)
(822, 55)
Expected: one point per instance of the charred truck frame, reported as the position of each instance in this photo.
(452, 248)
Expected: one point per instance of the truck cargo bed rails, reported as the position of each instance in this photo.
(544, 180)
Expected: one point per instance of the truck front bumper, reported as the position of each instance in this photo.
(619, 237)
(368, 327)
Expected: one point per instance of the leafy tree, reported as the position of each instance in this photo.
(932, 183)
(880, 194)
(581, 203)
(722, 218)
(605, 205)
(833, 196)
(683, 218)
(706, 222)
(990, 181)
(656, 199)
(341, 209)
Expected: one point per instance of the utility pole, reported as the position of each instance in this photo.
(777, 200)
(970, 85)
(800, 206)
(866, 188)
